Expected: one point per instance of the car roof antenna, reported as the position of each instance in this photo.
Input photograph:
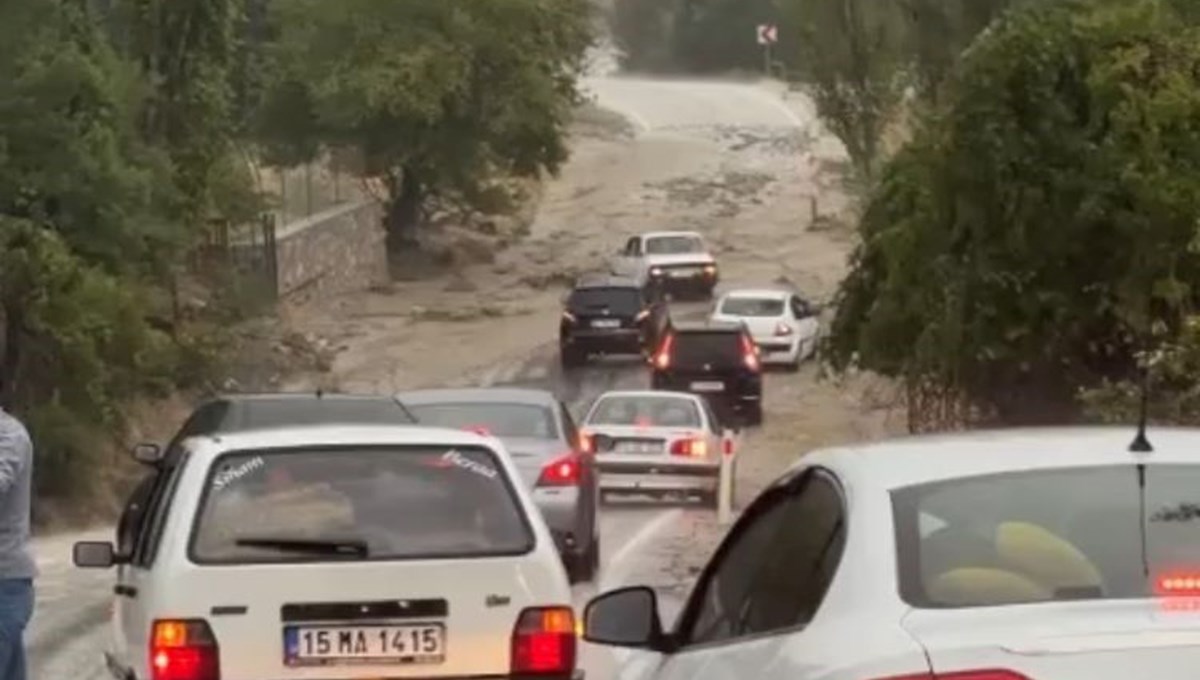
(1140, 443)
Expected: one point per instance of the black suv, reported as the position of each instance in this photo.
(610, 315)
(718, 361)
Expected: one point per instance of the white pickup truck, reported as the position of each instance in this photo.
(677, 261)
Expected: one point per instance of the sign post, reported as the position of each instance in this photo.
(767, 35)
(725, 483)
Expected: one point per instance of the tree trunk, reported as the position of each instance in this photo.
(404, 210)
(10, 357)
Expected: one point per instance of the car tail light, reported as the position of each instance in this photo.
(750, 353)
(689, 447)
(662, 360)
(782, 329)
(710, 269)
(562, 471)
(183, 650)
(544, 641)
(1186, 584)
(985, 674)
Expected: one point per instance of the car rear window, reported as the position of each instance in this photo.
(402, 502)
(626, 300)
(747, 306)
(674, 245)
(269, 413)
(694, 348)
(645, 411)
(527, 421)
(1043, 535)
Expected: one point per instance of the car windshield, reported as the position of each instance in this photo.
(1045, 535)
(614, 299)
(401, 502)
(751, 306)
(527, 421)
(268, 413)
(720, 348)
(646, 411)
(674, 245)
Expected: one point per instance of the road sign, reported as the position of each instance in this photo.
(767, 34)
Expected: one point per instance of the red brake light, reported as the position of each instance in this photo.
(183, 650)
(544, 641)
(689, 447)
(1178, 584)
(782, 329)
(985, 674)
(562, 471)
(750, 353)
(662, 360)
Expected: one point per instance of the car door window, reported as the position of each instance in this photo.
(129, 526)
(718, 604)
(799, 308)
(775, 570)
(791, 583)
(145, 547)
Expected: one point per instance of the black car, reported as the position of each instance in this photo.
(239, 413)
(716, 360)
(610, 315)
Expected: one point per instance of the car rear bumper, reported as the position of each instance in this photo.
(560, 510)
(695, 284)
(774, 351)
(618, 475)
(619, 339)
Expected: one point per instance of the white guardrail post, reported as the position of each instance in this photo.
(725, 485)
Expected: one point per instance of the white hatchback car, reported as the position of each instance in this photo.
(1039, 554)
(339, 552)
(783, 325)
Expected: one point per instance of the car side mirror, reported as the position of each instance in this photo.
(95, 555)
(148, 453)
(627, 617)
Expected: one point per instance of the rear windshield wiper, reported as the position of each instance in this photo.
(348, 547)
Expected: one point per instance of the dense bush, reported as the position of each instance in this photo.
(1023, 245)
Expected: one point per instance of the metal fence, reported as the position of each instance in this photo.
(245, 251)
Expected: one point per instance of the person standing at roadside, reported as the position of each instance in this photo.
(17, 566)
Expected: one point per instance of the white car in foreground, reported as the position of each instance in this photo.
(339, 552)
(656, 443)
(1039, 554)
(783, 325)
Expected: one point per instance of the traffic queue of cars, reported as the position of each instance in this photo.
(432, 533)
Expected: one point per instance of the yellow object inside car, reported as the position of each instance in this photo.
(1048, 559)
(983, 586)
(1033, 564)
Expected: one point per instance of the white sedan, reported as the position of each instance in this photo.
(783, 325)
(1039, 554)
(340, 553)
(656, 443)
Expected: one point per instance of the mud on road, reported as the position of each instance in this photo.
(739, 162)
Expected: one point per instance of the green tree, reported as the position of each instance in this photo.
(851, 54)
(1043, 219)
(438, 96)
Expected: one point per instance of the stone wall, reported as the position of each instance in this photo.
(339, 250)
